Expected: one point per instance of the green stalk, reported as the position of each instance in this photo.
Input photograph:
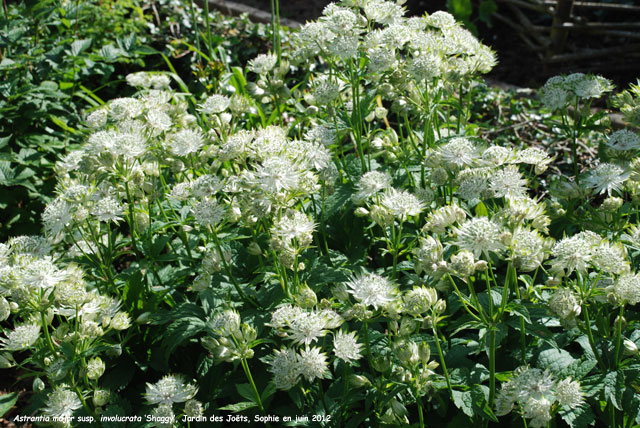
(247, 372)
(592, 342)
(420, 415)
(618, 337)
(492, 365)
(442, 363)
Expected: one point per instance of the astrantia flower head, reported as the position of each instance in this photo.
(440, 219)
(185, 142)
(569, 394)
(61, 403)
(108, 209)
(606, 177)
(312, 364)
(346, 346)
(285, 368)
(170, 389)
(22, 337)
(263, 63)
(215, 104)
(508, 183)
(573, 253)
(420, 300)
(371, 183)
(457, 152)
(627, 288)
(401, 204)
(623, 140)
(564, 305)
(372, 289)
(480, 236)
(535, 156)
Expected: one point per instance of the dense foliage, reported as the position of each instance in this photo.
(333, 232)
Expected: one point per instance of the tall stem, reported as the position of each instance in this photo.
(442, 363)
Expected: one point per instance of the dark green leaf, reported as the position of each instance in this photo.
(555, 360)
(579, 417)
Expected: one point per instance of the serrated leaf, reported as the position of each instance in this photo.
(337, 200)
(7, 401)
(579, 417)
(579, 369)
(555, 360)
(80, 46)
(614, 387)
(463, 401)
(239, 407)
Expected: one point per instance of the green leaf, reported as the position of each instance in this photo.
(486, 9)
(555, 360)
(337, 200)
(614, 387)
(7, 401)
(481, 210)
(463, 401)
(461, 9)
(239, 407)
(480, 403)
(579, 417)
(245, 391)
(579, 369)
(80, 46)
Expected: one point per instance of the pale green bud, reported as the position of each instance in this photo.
(101, 397)
(95, 368)
(629, 348)
(38, 385)
(358, 381)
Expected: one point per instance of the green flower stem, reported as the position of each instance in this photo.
(465, 303)
(592, 342)
(492, 365)
(523, 339)
(442, 363)
(356, 120)
(45, 327)
(85, 405)
(420, 415)
(247, 372)
(236, 285)
(618, 337)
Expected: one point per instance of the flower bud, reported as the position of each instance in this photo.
(358, 381)
(424, 352)
(38, 385)
(629, 348)
(95, 368)
(101, 397)
(5, 309)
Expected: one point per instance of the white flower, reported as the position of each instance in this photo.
(285, 369)
(627, 288)
(623, 140)
(569, 394)
(108, 209)
(371, 183)
(215, 104)
(56, 217)
(61, 403)
(185, 142)
(508, 183)
(312, 364)
(606, 177)
(263, 63)
(346, 346)
(564, 304)
(401, 204)
(572, 253)
(443, 217)
(208, 212)
(170, 389)
(457, 152)
(372, 289)
(480, 236)
(22, 337)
